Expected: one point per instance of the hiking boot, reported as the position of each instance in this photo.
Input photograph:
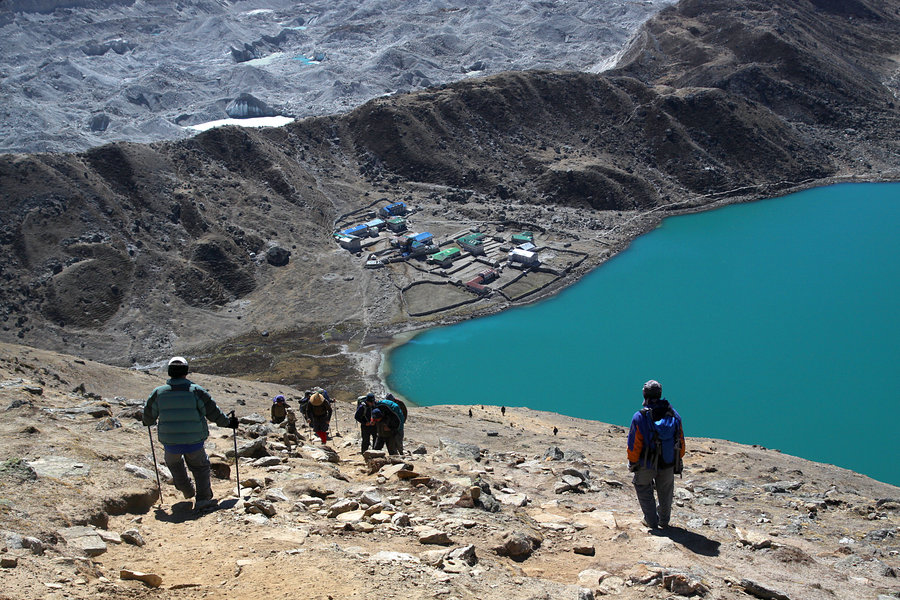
(207, 503)
(188, 492)
(648, 525)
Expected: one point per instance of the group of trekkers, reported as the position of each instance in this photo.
(381, 422)
(316, 407)
(181, 409)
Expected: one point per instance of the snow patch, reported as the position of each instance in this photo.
(254, 122)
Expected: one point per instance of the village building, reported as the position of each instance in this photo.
(373, 262)
(423, 238)
(356, 230)
(375, 226)
(477, 284)
(472, 243)
(526, 237)
(445, 258)
(348, 242)
(419, 249)
(396, 224)
(393, 210)
(519, 257)
(405, 242)
(489, 275)
(402, 242)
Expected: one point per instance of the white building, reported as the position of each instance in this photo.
(523, 257)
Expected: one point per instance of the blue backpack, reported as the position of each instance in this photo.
(394, 408)
(664, 446)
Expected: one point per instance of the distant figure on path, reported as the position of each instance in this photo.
(363, 416)
(182, 409)
(318, 415)
(470, 413)
(655, 452)
(555, 431)
(503, 410)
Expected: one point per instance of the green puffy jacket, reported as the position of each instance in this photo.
(182, 409)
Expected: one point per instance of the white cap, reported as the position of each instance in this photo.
(178, 360)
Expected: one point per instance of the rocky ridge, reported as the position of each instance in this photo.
(489, 506)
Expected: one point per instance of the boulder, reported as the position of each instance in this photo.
(782, 487)
(255, 449)
(253, 419)
(84, 539)
(58, 467)
(278, 256)
(454, 449)
(518, 545)
(554, 453)
(431, 535)
(400, 520)
(133, 537)
(98, 122)
(342, 506)
(761, 591)
(261, 506)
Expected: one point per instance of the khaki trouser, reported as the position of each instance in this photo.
(198, 463)
(664, 480)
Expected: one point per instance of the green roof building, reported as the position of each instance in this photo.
(445, 257)
(523, 238)
(473, 243)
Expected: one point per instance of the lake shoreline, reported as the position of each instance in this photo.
(443, 395)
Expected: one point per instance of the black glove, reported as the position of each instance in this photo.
(633, 466)
(233, 422)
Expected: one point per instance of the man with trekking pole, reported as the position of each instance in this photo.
(182, 409)
(655, 452)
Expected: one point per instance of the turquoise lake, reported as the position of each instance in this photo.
(772, 323)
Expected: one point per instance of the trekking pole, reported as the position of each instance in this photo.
(337, 425)
(155, 466)
(237, 472)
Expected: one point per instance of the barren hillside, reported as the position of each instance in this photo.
(129, 252)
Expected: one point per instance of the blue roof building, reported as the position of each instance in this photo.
(357, 230)
(393, 210)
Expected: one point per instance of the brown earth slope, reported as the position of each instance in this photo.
(488, 506)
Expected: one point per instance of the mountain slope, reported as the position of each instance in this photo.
(129, 252)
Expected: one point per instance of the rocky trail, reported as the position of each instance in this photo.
(488, 506)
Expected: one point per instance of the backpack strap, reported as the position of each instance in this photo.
(652, 446)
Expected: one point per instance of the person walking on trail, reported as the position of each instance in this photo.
(318, 415)
(388, 419)
(363, 416)
(182, 409)
(655, 453)
(279, 409)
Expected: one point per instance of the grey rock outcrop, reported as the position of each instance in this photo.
(247, 106)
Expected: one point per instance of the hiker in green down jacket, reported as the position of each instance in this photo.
(182, 408)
